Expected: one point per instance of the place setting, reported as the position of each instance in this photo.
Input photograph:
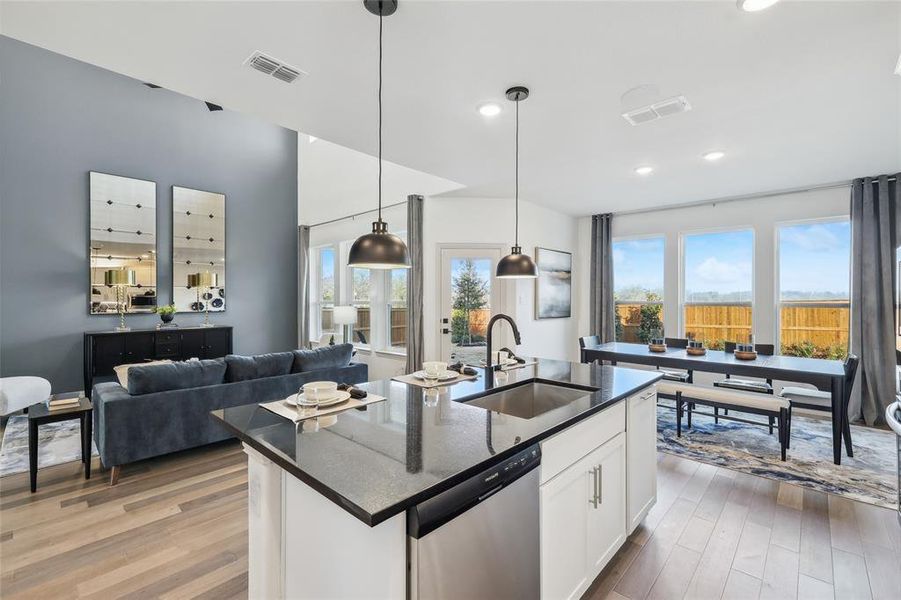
(436, 373)
(321, 398)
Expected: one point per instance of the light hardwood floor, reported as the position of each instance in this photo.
(176, 527)
(716, 533)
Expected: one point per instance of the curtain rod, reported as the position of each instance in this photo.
(355, 215)
(758, 195)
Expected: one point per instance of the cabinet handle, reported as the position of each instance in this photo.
(599, 481)
(594, 495)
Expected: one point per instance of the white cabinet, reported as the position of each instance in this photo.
(606, 517)
(583, 520)
(641, 455)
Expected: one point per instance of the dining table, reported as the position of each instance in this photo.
(826, 375)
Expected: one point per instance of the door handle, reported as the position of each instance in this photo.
(594, 495)
(599, 481)
(445, 330)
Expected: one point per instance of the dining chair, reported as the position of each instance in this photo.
(588, 340)
(819, 400)
(746, 384)
(684, 376)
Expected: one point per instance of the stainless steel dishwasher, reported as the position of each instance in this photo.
(480, 538)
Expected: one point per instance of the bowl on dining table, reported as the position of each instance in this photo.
(318, 391)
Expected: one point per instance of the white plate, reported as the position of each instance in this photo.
(446, 376)
(341, 397)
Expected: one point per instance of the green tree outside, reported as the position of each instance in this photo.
(470, 292)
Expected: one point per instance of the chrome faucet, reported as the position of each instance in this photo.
(491, 323)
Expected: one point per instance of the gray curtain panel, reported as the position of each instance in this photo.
(415, 329)
(602, 315)
(303, 286)
(874, 239)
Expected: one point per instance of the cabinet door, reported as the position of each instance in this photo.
(139, 347)
(109, 351)
(564, 532)
(607, 519)
(217, 342)
(192, 344)
(641, 455)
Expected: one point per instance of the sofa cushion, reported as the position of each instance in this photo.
(175, 376)
(324, 357)
(122, 370)
(243, 368)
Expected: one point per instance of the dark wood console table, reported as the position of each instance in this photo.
(104, 350)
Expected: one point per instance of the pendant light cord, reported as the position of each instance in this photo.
(380, 116)
(516, 169)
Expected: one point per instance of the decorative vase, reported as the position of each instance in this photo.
(167, 318)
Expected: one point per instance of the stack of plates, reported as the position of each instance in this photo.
(446, 376)
(338, 397)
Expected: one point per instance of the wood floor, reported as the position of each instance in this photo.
(716, 533)
(176, 527)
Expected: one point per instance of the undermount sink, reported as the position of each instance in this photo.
(530, 399)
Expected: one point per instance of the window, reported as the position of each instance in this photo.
(718, 273)
(397, 308)
(638, 288)
(324, 298)
(361, 288)
(814, 282)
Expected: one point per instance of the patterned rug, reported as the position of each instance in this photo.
(57, 443)
(869, 477)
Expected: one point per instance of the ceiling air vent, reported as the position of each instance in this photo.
(274, 67)
(658, 110)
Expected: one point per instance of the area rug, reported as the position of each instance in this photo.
(869, 477)
(57, 443)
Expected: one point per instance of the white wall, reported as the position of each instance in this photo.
(490, 221)
(761, 214)
(334, 181)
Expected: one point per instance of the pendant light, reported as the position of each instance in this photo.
(517, 265)
(379, 249)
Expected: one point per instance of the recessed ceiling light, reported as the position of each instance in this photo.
(644, 170)
(490, 109)
(755, 5)
(713, 155)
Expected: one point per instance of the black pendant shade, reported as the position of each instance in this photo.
(379, 249)
(516, 265)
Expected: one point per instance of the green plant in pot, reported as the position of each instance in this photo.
(166, 312)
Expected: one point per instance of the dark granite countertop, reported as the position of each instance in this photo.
(377, 462)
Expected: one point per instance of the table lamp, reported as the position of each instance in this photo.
(347, 317)
(207, 281)
(120, 279)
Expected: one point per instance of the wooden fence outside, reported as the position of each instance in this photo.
(824, 324)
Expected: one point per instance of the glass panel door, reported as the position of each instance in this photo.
(470, 295)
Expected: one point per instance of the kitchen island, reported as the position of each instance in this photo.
(328, 504)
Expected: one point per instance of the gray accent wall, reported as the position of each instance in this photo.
(61, 118)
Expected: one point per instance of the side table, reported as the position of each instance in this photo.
(39, 414)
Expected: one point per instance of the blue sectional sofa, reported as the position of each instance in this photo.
(167, 407)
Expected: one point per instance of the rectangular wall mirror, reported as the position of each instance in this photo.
(198, 246)
(123, 238)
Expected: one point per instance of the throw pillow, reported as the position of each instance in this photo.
(243, 368)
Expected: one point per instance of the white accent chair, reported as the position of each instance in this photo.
(17, 393)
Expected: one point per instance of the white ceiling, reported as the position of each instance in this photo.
(800, 94)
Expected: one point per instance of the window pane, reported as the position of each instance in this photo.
(360, 290)
(397, 308)
(814, 274)
(327, 274)
(638, 288)
(718, 270)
